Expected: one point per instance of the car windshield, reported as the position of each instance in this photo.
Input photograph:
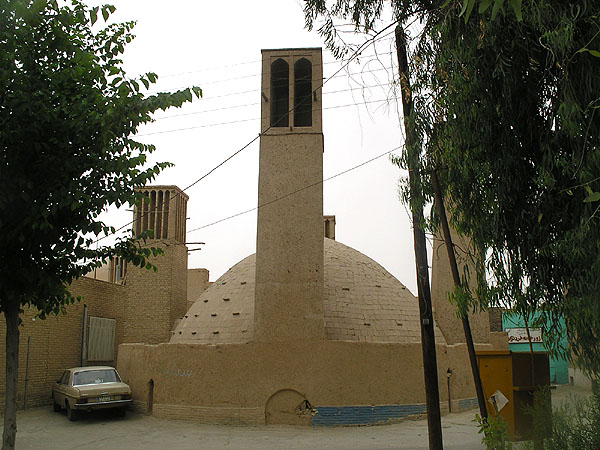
(95, 377)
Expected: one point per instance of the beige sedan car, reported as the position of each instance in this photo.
(90, 388)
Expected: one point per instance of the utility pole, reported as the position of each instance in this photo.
(439, 200)
(434, 423)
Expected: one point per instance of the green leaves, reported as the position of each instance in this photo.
(484, 5)
(467, 8)
(508, 107)
(107, 10)
(68, 111)
(592, 196)
(595, 53)
(516, 6)
(94, 15)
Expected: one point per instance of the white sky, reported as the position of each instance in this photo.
(216, 46)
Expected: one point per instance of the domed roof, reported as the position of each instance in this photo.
(362, 302)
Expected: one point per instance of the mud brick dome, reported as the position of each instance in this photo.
(307, 331)
(362, 302)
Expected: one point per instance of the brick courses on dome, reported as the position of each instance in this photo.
(362, 302)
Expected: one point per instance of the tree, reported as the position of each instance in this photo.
(508, 107)
(364, 15)
(67, 114)
(506, 97)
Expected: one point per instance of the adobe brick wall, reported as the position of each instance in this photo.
(499, 340)
(144, 309)
(103, 299)
(55, 343)
(155, 300)
(179, 273)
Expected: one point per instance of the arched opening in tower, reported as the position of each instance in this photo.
(280, 93)
(303, 93)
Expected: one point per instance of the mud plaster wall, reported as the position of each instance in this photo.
(289, 242)
(441, 282)
(499, 340)
(232, 383)
(197, 283)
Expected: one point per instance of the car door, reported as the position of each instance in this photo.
(60, 390)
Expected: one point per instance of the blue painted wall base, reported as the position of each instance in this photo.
(370, 415)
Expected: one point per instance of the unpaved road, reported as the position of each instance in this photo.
(40, 428)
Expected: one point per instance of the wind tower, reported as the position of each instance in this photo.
(289, 243)
(157, 300)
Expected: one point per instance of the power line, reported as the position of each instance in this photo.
(206, 83)
(248, 91)
(294, 192)
(195, 127)
(222, 162)
(256, 61)
(224, 108)
(355, 54)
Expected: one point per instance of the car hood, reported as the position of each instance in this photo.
(108, 388)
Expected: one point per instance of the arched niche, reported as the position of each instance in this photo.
(288, 407)
(280, 93)
(303, 93)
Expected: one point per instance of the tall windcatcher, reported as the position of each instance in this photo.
(158, 299)
(163, 210)
(289, 249)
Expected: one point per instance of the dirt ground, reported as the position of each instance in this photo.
(41, 428)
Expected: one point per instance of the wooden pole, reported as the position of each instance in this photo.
(432, 394)
(439, 200)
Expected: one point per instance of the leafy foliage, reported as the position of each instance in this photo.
(67, 116)
(506, 96)
(508, 108)
(574, 425)
(494, 432)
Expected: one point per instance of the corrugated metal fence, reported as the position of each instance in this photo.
(101, 339)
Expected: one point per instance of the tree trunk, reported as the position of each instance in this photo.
(439, 199)
(434, 423)
(11, 313)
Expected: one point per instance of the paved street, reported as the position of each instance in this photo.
(40, 428)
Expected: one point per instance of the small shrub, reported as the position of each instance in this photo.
(575, 425)
(494, 432)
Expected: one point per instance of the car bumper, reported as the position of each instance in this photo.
(102, 405)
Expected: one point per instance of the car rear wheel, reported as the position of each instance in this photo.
(71, 415)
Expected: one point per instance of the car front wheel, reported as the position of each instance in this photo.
(71, 415)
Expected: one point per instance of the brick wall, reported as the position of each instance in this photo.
(179, 274)
(55, 343)
(156, 299)
(144, 309)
